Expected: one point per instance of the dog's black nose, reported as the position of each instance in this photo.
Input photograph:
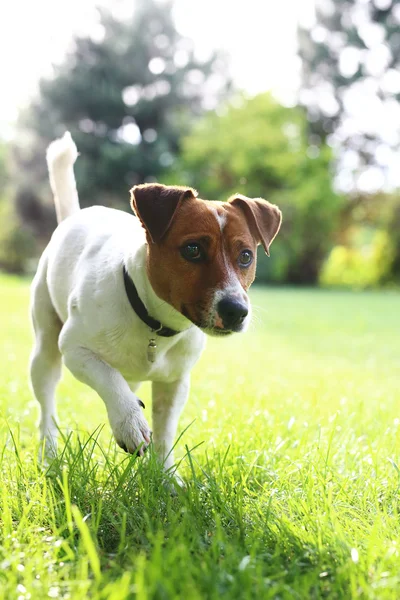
(232, 312)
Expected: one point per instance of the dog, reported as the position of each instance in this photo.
(123, 299)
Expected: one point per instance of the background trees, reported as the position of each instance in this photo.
(351, 92)
(351, 87)
(126, 94)
(260, 148)
(17, 242)
(142, 107)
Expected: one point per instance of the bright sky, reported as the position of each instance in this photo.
(259, 35)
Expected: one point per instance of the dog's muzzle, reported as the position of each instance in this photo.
(232, 312)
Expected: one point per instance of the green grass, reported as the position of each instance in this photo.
(292, 471)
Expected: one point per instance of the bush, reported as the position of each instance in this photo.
(360, 267)
(393, 229)
(17, 244)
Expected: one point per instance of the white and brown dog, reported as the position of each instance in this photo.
(125, 299)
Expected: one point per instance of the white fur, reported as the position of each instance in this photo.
(61, 155)
(221, 219)
(232, 287)
(81, 312)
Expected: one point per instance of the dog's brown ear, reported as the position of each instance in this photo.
(156, 205)
(263, 218)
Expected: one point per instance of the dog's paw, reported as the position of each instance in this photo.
(174, 483)
(131, 430)
(47, 450)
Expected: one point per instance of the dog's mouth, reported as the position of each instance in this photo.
(208, 325)
(217, 331)
(210, 322)
(212, 330)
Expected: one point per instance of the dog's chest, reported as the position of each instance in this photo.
(143, 356)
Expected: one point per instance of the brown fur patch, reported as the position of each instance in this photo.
(156, 205)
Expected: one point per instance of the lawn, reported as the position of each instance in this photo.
(290, 451)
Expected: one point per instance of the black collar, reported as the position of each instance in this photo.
(141, 311)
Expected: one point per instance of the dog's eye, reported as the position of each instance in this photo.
(193, 252)
(245, 258)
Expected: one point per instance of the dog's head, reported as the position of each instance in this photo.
(202, 255)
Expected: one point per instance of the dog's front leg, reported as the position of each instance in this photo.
(168, 402)
(127, 421)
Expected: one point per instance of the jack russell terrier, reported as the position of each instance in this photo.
(125, 299)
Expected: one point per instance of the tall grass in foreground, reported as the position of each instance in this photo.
(290, 453)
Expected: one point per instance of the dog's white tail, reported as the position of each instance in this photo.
(61, 155)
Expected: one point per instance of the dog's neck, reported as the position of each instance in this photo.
(156, 307)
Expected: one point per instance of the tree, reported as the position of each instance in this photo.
(126, 96)
(260, 148)
(16, 242)
(351, 87)
(4, 167)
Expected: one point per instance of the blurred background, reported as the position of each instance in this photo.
(296, 101)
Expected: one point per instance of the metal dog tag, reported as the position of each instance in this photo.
(151, 350)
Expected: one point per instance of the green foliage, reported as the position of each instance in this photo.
(126, 98)
(393, 230)
(368, 250)
(259, 148)
(360, 267)
(17, 244)
(4, 167)
(293, 477)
